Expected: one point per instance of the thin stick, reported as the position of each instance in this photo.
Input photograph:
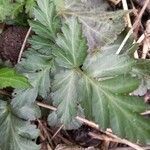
(125, 7)
(57, 132)
(24, 44)
(45, 131)
(129, 148)
(146, 44)
(43, 138)
(134, 26)
(92, 124)
(115, 1)
(48, 147)
(146, 113)
(114, 138)
(124, 41)
(141, 38)
(46, 106)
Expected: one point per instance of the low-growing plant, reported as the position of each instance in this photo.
(10, 9)
(73, 65)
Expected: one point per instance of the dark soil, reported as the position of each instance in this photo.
(11, 41)
(81, 137)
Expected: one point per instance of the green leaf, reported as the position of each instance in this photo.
(106, 94)
(100, 26)
(124, 86)
(54, 120)
(47, 24)
(27, 112)
(109, 105)
(36, 67)
(142, 71)
(102, 86)
(9, 9)
(65, 95)
(70, 54)
(9, 77)
(100, 66)
(30, 6)
(72, 45)
(38, 61)
(42, 45)
(16, 134)
(40, 29)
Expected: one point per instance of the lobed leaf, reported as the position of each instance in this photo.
(72, 45)
(110, 106)
(100, 66)
(37, 68)
(47, 24)
(9, 77)
(16, 134)
(65, 95)
(102, 85)
(99, 26)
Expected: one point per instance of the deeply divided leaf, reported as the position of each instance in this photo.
(47, 24)
(99, 26)
(36, 68)
(72, 45)
(65, 94)
(101, 83)
(16, 134)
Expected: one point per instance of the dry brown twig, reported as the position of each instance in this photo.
(111, 136)
(125, 7)
(43, 139)
(45, 132)
(57, 132)
(146, 43)
(146, 112)
(115, 2)
(24, 44)
(134, 26)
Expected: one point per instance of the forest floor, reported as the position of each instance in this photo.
(11, 40)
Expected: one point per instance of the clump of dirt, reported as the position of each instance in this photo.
(11, 41)
(81, 136)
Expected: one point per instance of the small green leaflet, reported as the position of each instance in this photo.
(11, 9)
(8, 77)
(100, 66)
(16, 134)
(47, 24)
(65, 94)
(36, 68)
(72, 51)
(41, 45)
(54, 120)
(111, 106)
(102, 85)
(29, 5)
(99, 26)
